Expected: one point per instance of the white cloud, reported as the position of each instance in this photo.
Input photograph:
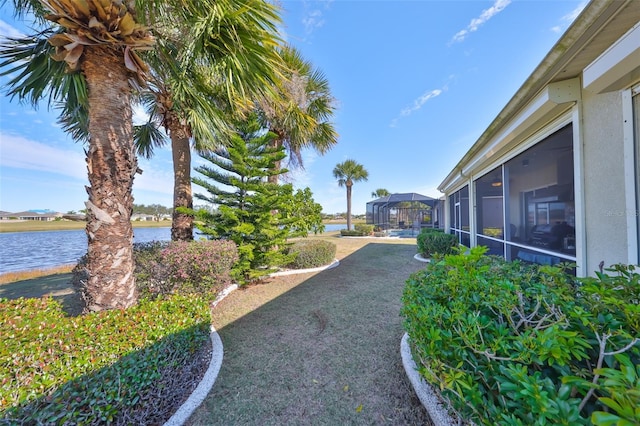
(571, 16)
(314, 17)
(418, 103)
(9, 31)
(312, 21)
(139, 115)
(567, 19)
(498, 6)
(153, 179)
(22, 153)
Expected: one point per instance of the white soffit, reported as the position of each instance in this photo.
(618, 67)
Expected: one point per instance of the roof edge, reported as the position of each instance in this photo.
(579, 32)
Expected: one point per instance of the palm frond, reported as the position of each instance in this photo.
(34, 75)
(148, 136)
(74, 110)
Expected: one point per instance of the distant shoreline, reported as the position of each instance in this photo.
(65, 225)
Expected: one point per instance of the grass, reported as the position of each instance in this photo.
(64, 225)
(315, 348)
(318, 348)
(10, 277)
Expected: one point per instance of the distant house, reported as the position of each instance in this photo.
(142, 217)
(30, 215)
(555, 177)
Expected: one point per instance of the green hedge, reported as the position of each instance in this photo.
(433, 241)
(366, 229)
(311, 253)
(515, 344)
(351, 233)
(97, 368)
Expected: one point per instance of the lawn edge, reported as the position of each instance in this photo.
(433, 405)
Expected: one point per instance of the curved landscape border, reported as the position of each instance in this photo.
(217, 353)
(439, 414)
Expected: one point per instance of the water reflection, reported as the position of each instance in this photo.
(20, 251)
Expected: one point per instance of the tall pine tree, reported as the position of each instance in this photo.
(247, 204)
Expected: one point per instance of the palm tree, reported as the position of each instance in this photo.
(99, 40)
(347, 174)
(379, 193)
(298, 109)
(194, 113)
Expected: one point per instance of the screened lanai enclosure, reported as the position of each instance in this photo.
(405, 211)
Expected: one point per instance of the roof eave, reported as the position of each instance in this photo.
(581, 31)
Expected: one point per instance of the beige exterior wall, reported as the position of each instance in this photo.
(603, 180)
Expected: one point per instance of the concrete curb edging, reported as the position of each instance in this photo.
(332, 265)
(419, 257)
(205, 385)
(431, 403)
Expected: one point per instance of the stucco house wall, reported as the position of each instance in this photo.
(587, 81)
(604, 197)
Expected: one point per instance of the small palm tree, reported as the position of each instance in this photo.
(298, 109)
(347, 173)
(379, 193)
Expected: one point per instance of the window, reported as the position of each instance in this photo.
(459, 215)
(490, 211)
(525, 208)
(540, 204)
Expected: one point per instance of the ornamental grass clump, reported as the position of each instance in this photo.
(514, 344)
(311, 253)
(108, 367)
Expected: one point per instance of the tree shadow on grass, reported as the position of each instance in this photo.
(57, 286)
(324, 351)
(142, 387)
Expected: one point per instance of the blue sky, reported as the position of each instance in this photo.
(416, 83)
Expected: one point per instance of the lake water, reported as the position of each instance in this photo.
(21, 251)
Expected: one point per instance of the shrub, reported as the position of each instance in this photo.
(351, 233)
(509, 343)
(433, 241)
(152, 274)
(366, 229)
(104, 367)
(311, 253)
(163, 267)
(199, 266)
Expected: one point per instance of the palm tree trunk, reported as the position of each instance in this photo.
(348, 206)
(276, 144)
(111, 164)
(182, 225)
